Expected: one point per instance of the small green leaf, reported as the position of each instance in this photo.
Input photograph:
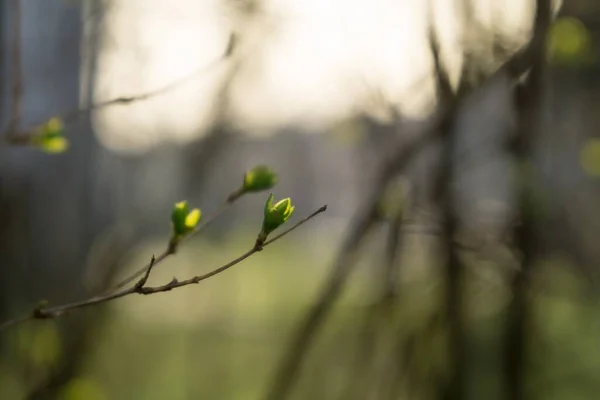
(192, 219)
(269, 204)
(55, 145)
(183, 220)
(54, 126)
(259, 178)
(50, 137)
(178, 216)
(275, 215)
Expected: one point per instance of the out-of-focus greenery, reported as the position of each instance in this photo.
(50, 137)
(221, 339)
(570, 42)
(590, 157)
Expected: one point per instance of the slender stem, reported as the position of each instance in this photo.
(237, 194)
(140, 271)
(139, 288)
(16, 321)
(142, 282)
(22, 138)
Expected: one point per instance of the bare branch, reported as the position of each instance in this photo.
(15, 137)
(341, 270)
(308, 328)
(232, 198)
(528, 99)
(140, 284)
(139, 288)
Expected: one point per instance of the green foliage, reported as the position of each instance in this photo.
(50, 137)
(183, 220)
(259, 178)
(82, 389)
(569, 42)
(41, 345)
(589, 157)
(275, 215)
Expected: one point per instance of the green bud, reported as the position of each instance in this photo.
(275, 215)
(259, 178)
(50, 137)
(183, 220)
(42, 304)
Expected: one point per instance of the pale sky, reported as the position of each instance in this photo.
(304, 62)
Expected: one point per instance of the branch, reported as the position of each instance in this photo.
(344, 264)
(140, 288)
(376, 316)
(142, 282)
(232, 198)
(23, 138)
(528, 105)
(308, 328)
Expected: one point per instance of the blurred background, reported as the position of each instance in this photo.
(455, 143)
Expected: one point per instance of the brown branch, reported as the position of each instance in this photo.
(142, 282)
(376, 315)
(124, 100)
(22, 138)
(344, 264)
(528, 99)
(454, 387)
(171, 247)
(294, 356)
(139, 288)
(310, 325)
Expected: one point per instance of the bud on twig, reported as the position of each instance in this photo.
(183, 221)
(259, 178)
(50, 137)
(275, 216)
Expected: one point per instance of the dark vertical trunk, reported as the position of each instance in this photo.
(528, 100)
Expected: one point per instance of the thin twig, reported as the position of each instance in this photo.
(454, 387)
(57, 311)
(170, 250)
(16, 321)
(528, 101)
(22, 138)
(140, 284)
(308, 328)
(376, 315)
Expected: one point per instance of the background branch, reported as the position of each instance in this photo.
(296, 352)
(528, 98)
(16, 137)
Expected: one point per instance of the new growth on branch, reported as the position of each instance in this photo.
(184, 224)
